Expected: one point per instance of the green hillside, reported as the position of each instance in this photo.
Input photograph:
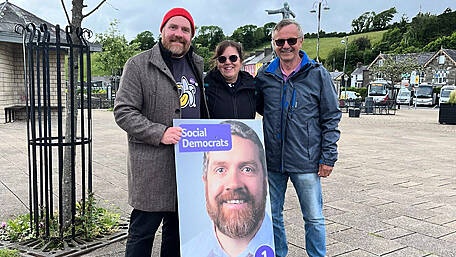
(327, 44)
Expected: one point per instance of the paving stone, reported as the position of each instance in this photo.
(400, 198)
(376, 202)
(408, 210)
(428, 205)
(296, 235)
(367, 241)
(410, 184)
(419, 226)
(450, 238)
(335, 227)
(361, 222)
(329, 211)
(442, 219)
(394, 233)
(339, 248)
(429, 244)
(450, 224)
(295, 251)
(357, 253)
(408, 252)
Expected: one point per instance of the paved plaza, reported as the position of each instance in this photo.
(392, 192)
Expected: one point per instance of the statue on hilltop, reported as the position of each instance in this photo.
(285, 11)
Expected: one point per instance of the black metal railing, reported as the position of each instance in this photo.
(45, 130)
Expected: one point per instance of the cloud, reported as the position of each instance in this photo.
(136, 16)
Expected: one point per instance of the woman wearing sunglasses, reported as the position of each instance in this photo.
(230, 92)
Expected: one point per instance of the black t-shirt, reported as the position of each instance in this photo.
(189, 91)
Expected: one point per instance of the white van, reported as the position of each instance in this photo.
(445, 93)
(404, 97)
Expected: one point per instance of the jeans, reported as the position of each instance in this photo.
(141, 233)
(308, 189)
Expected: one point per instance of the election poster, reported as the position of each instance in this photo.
(222, 189)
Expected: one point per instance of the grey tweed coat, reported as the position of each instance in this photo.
(146, 104)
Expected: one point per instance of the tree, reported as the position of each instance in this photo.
(76, 21)
(393, 68)
(390, 40)
(423, 29)
(336, 56)
(363, 43)
(209, 36)
(448, 42)
(116, 49)
(363, 23)
(268, 27)
(145, 40)
(206, 54)
(246, 36)
(381, 20)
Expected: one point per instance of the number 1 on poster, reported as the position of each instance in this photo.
(264, 251)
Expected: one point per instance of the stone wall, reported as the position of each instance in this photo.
(12, 88)
(434, 67)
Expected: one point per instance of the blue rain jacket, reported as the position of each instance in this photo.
(300, 117)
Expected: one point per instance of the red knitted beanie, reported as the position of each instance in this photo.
(178, 12)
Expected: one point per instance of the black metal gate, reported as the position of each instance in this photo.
(45, 104)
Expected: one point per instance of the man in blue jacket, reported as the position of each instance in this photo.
(300, 111)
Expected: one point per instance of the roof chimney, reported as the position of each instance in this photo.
(267, 51)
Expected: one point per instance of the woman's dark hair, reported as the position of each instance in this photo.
(225, 44)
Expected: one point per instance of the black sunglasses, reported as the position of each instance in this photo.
(291, 41)
(222, 59)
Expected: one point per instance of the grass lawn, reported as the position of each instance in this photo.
(327, 44)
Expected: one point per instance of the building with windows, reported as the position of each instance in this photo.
(12, 75)
(440, 69)
(437, 68)
(253, 63)
(358, 76)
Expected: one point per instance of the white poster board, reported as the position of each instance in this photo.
(223, 198)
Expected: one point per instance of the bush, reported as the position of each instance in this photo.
(452, 97)
(9, 253)
(90, 222)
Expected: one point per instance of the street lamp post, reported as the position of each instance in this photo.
(345, 42)
(325, 7)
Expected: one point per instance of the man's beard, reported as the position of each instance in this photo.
(176, 50)
(237, 223)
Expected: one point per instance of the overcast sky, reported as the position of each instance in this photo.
(136, 16)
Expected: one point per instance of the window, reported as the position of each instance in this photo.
(422, 76)
(440, 77)
(442, 59)
(380, 63)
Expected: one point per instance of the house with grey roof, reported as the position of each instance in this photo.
(12, 82)
(420, 58)
(337, 77)
(440, 69)
(359, 76)
(253, 63)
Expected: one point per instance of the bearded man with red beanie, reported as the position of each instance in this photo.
(157, 86)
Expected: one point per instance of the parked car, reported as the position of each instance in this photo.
(404, 97)
(349, 95)
(445, 92)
